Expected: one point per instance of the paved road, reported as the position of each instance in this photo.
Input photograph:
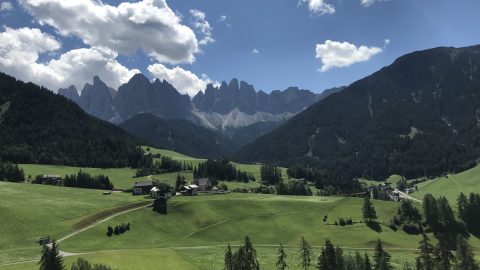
(408, 197)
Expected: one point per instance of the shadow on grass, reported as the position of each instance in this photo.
(374, 226)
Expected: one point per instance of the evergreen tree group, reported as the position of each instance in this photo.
(270, 174)
(148, 165)
(368, 211)
(11, 172)
(119, 229)
(85, 180)
(82, 264)
(327, 183)
(221, 169)
(245, 258)
(469, 211)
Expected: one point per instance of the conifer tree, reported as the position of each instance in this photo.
(443, 255)
(369, 213)
(425, 258)
(228, 262)
(305, 252)
(465, 259)
(381, 258)
(51, 258)
(282, 258)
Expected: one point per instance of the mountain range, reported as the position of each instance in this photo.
(419, 116)
(235, 104)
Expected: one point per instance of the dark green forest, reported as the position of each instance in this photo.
(416, 117)
(37, 126)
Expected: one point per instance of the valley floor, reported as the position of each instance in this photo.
(196, 230)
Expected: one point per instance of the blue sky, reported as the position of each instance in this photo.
(272, 44)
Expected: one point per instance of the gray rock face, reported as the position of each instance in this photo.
(243, 97)
(70, 93)
(97, 99)
(159, 98)
(235, 103)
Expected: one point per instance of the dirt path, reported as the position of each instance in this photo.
(135, 206)
(408, 197)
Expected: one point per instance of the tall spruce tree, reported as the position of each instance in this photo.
(425, 258)
(368, 211)
(464, 258)
(430, 210)
(381, 258)
(51, 258)
(228, 261)
(281, 258)
(304, 254)
(368, 264)
(443, 255)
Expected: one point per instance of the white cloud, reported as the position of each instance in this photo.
(201, 24)
(386, 41)
(20, 50)
(343, 54)
(222, 18)
(183, 80)
(319, 7)
(148, 25)
(368, 3)
(255, 51)
(6, 6)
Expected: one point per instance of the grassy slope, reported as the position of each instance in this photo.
(451, 186)
(28, 212)
(123, 177)
(214, 221)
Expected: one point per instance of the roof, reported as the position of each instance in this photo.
(51, 176)
(143, 184)
(154, 189)
(193, 186)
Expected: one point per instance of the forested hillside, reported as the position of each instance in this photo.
(37, 126)
(419, 116)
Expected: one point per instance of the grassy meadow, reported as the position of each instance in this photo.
(28, 212)
(196, 230)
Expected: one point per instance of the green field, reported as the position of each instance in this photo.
(196, 230)
(28, 212)
(451, 185)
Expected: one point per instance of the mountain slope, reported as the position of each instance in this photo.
(179, 135)
(37, 126)
(419, 116)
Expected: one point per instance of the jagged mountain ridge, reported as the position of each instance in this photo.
(234, 104)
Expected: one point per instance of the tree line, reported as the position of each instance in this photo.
(79, 180)
(11, 172)
(330, 258)
(221, 169)
(149, 166)
(327, 182)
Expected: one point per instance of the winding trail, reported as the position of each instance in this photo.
(408, 197)
(99, 222)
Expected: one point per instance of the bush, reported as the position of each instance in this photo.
(411, 228)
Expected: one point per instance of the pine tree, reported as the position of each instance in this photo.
(381, 258)
(465, 259)
(368, 265)
(369, 213)
(305, 251)
(430, 210)
(250, 255)
(51, 258)
(462, 203)
(228, 262)
(443, 255)
(425, 258)
(282, 258)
